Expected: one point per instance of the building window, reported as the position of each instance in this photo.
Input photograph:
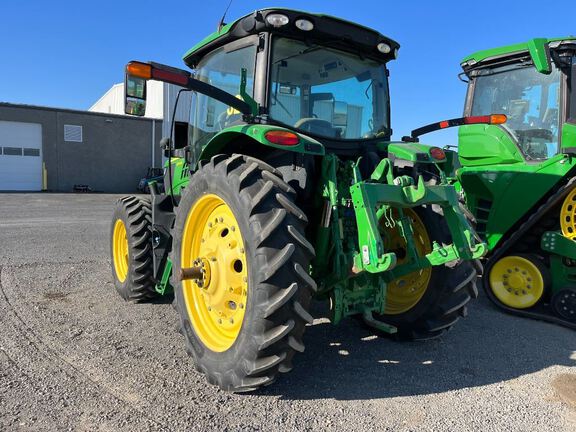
(31, 152)
(12, 151)
(72, 133)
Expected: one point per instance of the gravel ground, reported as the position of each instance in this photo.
(73, 356)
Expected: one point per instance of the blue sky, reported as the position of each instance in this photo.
(68, 53)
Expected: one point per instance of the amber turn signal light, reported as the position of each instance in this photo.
(498, 119)
(139, 70)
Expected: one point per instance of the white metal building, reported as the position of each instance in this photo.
(160, 99)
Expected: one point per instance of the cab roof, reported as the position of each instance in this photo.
(326, 27)
(531, 46)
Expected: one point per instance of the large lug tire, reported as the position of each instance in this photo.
(446, 293)
(277, 288)
(131, 249)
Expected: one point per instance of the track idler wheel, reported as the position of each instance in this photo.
(519, 281)
(564, 304)
(568, 215)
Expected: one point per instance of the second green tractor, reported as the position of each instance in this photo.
(518, 179)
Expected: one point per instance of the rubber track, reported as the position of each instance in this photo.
(536, 216)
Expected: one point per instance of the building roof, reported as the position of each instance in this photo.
(73, 111)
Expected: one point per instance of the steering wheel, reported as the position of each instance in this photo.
(544, 134)
(315, 125)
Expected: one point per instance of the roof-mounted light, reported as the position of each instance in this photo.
(384, 48)
(396, 53)
(304, 24)
(277, 20)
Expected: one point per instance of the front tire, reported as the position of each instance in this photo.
(244, 321)
(131, 249)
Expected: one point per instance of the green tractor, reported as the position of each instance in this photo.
(519, 178)
(283, 186)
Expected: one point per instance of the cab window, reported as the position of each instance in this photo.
(221, 68)
(530, 100)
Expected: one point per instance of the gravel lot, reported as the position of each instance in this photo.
(73, 356)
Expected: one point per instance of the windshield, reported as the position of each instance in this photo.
(328, 92)
(531, 101)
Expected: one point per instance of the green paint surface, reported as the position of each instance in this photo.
(533, 46)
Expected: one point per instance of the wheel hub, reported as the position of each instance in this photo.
(120, 250)
(216, 298)
(406, 291)
(564, 303)
(204, 265)
(516, 282)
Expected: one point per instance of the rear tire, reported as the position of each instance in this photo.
(449, 290)
(131, 249)
(278, 286)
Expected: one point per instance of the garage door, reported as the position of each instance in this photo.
(20, 156)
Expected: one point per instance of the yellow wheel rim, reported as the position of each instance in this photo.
(568, 216)
(120, 250)
(516, 282)
(406, 291)
(216, 309)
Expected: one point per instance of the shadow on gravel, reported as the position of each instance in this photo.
(163, 299)
(349, 362)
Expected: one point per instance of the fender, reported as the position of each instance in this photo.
(256, 133)
(413, 152)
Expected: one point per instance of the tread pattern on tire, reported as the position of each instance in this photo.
(282, 287)
(460, 288)
(136, 213)
(454, 286)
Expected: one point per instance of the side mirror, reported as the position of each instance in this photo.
(134, 95)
